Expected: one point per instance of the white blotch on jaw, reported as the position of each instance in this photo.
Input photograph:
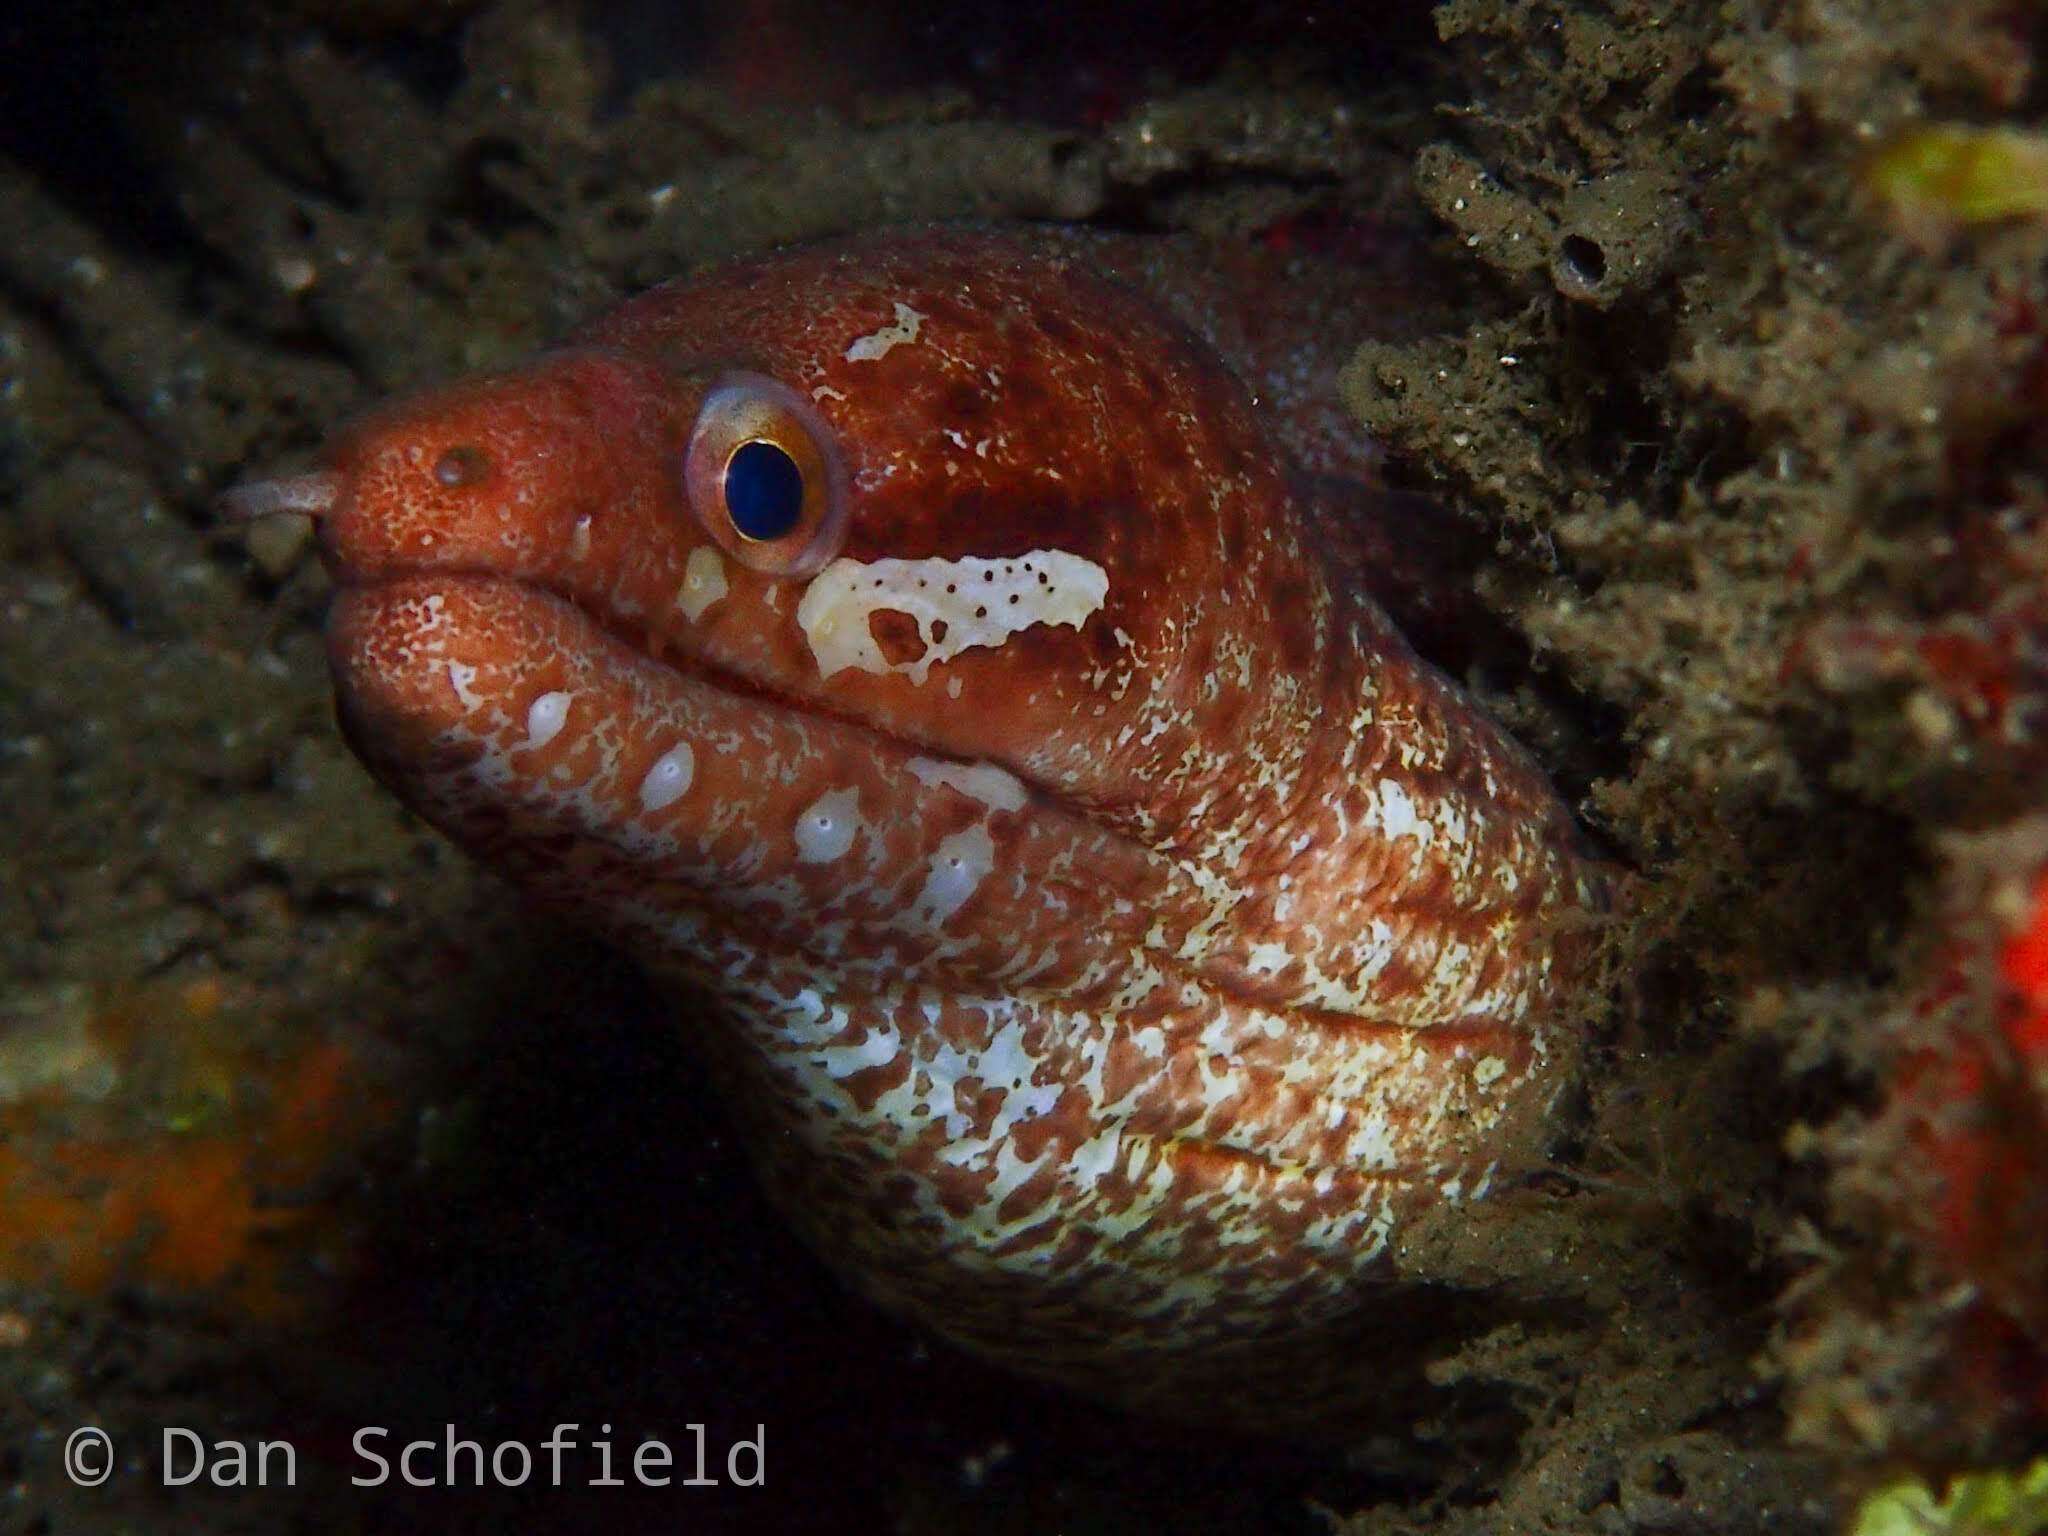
(459, 678)
(977, 601)
(1397, 817)
(703, 582)
(579, 539)
(996, 788)
(546, 717)
(865, 349)
(956, 871)
(1098, 1155)
(669, 779)
(877, 1050)
(826, 828)
(1268, 959)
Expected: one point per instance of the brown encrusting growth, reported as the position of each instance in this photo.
(1773, 419)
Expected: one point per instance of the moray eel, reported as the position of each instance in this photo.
(918, 646)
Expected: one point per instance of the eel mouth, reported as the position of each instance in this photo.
(320, 494)
(635, 645)
(328, 497)
(647, 646)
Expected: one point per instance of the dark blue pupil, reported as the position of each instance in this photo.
(764, 491)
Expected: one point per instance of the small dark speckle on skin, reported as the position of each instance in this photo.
(1023, 394)
(943, 312)
(1290, 632)
(965, 403)
(1053, 327)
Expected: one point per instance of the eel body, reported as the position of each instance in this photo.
(917, 646)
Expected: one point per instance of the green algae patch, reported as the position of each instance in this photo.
(1999, 1503)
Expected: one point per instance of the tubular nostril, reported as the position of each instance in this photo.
(310, 494)
(462, 466)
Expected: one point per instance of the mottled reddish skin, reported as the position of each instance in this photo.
(1278, 943)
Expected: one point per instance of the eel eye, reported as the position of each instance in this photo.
(764, 477)
(764, 490)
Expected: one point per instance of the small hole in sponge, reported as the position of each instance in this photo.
(1582, 262)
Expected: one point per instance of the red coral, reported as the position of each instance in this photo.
(2024, 965)
(1973, 1106)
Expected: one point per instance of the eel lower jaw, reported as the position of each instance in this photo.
(674, 655)
(349, 645)
(530, 734)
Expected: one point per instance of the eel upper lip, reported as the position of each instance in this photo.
(317, 493)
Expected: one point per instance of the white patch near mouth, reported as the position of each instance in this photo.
(996, 788)
(956, 870)
(459, 678)
(976, 601)
(865, 349)
(703, 582)
(669, 779)
(827, 827)
(545, 719)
